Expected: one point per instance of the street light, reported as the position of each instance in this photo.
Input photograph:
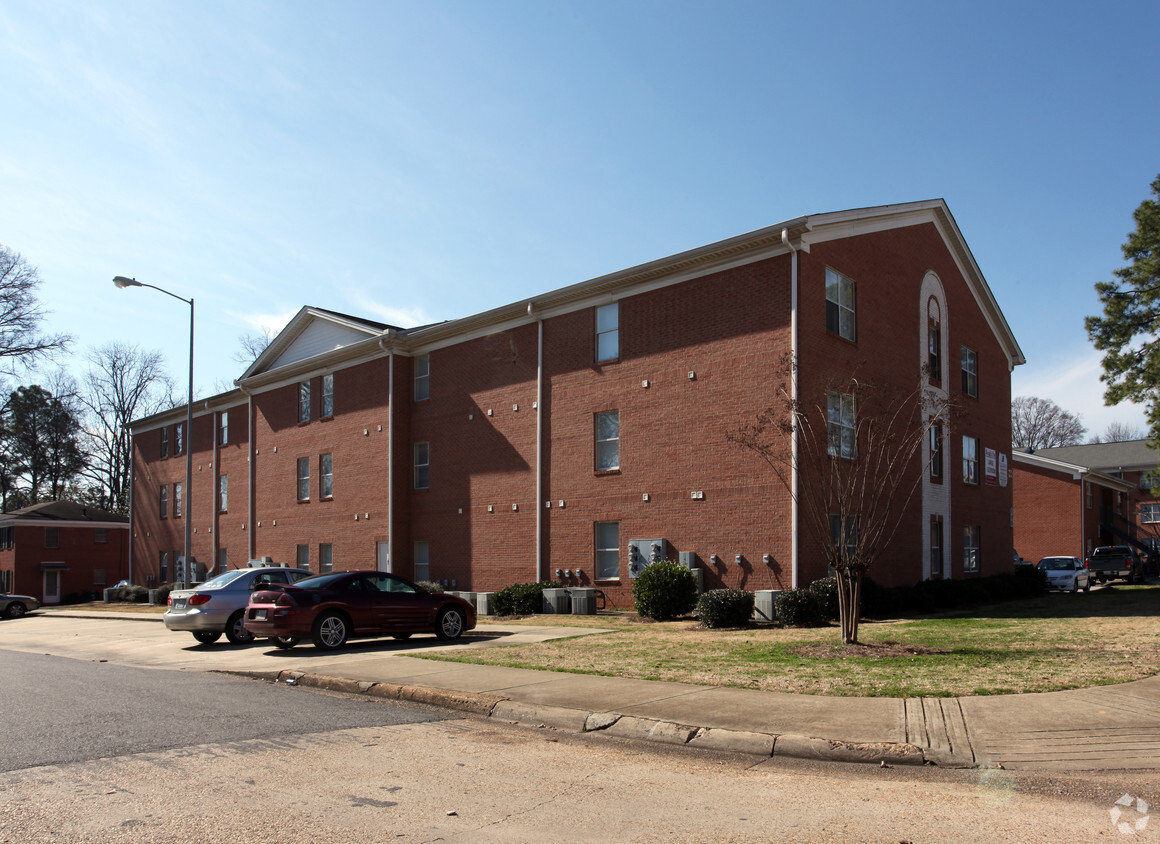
(121, 282)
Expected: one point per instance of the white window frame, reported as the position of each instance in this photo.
(178, 496)
(607, 440)
(303, 478)
(608, 332)
(325, 557)
(1150, 512)
(179, 439)
(163, 502)
(422, 367)
(972, 547)
(970, 369)
(606, 561)
(841, 305)
(224, 428)
(971, 460)
(223, 493)
(421, 566)
(841, 426)
(423, 465)
(302, 556)
(303, 401)
(326, 475)
(327, 409)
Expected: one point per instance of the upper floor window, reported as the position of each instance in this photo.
(841, 435)
(934, 343)
(51, 537)
(325, 476)
(165, 502)
(839, 305)
(179, 438)
(100, 535)
(176, 500)
(608, 332)
(327, 396)
(303, 478)
(223, 493)
(1088, 495)
(970, 372)
(608, 440)
(936, 451)
(1150, 513)
(422, 465)
(422, 377)
(224, 428)
(304, 401)
(165, 441)
(970, 460)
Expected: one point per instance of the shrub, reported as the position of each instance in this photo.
(800, 608)
(161, 593)
(522, 598)
(827, 591)
(725, 608)
(665, 590)
(131, 594)
(430, 586)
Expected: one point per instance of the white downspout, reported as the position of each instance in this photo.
(793, 394)
(391, 460)
(539, 445)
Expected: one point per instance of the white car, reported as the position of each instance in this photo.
(218, 606)
(1066, 573)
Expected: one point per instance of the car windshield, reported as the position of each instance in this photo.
(222, 579)
(1056, 564)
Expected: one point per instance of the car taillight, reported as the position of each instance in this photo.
(169, 601)
(284, 600)
(198, 599)
(1087, 564)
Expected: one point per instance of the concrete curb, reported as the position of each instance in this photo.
(616, 724)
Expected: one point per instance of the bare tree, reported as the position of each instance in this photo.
(1041, 423)
(252, 346)
(1120, 432)
(861, 458)
(21, 314)
(123, 383)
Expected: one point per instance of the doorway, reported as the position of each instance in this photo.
(383, 550)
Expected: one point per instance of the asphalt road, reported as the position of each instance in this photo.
(59, 710)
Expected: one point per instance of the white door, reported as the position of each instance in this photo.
(52, 586)
(384, 555)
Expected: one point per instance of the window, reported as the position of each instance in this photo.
(223, 560)
(936, 451)
(99, 577)
(422, 465)
(607, 440)
(936, 542)
(224, 428)
(223, 493)
(164, 566)
(165, 502)
(608, 332)
(6, 581)
(839, 305)
(1150, 513)
(52, 537)
(165, 441)
(970, 372)
(422, 377)
(844, 541)
(304, 401)
(101, 536)
(176, 501)
(607, 550)
(1088, 494)
(971, 547)
(422, 560)
(840, 432)
(325, 476)
(934, 341)
(970, 460)
(303, 556)
(179, 439)
(303, 478)
(7, 538)
(325, 563)
(327, 396)
(1148, 479)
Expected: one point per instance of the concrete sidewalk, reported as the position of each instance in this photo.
(1105, 727)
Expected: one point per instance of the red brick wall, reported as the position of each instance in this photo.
(77, 548)
(1050, 514)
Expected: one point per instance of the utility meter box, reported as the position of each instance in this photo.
(645, 552)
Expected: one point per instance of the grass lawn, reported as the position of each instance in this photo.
(1056, 641)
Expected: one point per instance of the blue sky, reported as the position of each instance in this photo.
(414, 162)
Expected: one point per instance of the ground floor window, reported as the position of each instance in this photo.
(422, 560)
(304, 556)
(6, 581)
(324, 560)
(607, 550)
(164, 566)
(971, 546)
(936, 542)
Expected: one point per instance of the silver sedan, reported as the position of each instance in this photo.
(14, 606)
(218, 605)
(1067, 573)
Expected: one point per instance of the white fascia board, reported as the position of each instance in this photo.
(844, 224)
(286, 337)
(201, 407)
(62, 523)
(324, 363)
(1077, 473)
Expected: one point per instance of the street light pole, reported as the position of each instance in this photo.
(187, 498)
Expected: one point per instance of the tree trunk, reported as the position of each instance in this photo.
(849, 604)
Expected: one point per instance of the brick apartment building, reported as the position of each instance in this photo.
(550, 437)
(60, 550)
(1072, 499)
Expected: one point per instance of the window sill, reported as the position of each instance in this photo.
(303, 500)
(600, 473)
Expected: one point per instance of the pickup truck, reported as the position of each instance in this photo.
(1112, 561)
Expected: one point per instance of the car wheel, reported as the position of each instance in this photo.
(1087, 586)
(207, 637)
(285, 642)
(1074, 586)
(236, 630)
(449, 625)
(15, 610)
(401, 635)
(330, 632)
